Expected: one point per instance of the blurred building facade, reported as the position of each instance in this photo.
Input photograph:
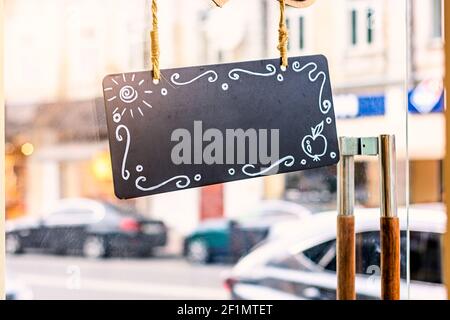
(58, 66)
(54, 72)
(367, 51)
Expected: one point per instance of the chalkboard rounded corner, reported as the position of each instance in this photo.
(338, 158)
(322, 57)
(119, 195)
(105, 78)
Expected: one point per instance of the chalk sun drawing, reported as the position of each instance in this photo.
(129, 97)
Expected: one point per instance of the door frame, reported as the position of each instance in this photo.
(2, 164)
(446, 21)
(446, 160)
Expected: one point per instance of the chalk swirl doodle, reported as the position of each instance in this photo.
(212, 78)
(324, 105)
(234, 73)
(287, 161)
(125, 173)
(183, 182)
(128, 94)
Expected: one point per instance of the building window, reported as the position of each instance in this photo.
(362, 25)
(301, 33)
(288, 26)
(370, 25)
(436, 19)
(354, 26)
(297, 25)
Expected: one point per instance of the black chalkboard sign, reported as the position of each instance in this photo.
(218, 123)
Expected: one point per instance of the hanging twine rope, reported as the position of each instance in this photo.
(155, 42)
(282, 38)
(283, 35)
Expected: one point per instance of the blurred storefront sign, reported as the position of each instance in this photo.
(354, 106)
(426, 97)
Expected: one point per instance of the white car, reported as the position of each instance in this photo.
(16, 289)
(298, 261)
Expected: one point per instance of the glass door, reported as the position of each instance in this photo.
(386, 67)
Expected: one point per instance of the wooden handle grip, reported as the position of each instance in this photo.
(345, 258)
(390, 258)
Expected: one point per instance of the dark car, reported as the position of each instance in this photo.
(92, 228)
(227, 239)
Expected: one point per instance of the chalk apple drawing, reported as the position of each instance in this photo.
(315, 144)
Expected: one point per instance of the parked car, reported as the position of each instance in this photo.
(298, 261)
(93, 228)
(227, 239)
(16, 289)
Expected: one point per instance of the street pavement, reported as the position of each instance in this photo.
(56, 277)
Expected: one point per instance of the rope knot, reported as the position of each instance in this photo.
(282, 44)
